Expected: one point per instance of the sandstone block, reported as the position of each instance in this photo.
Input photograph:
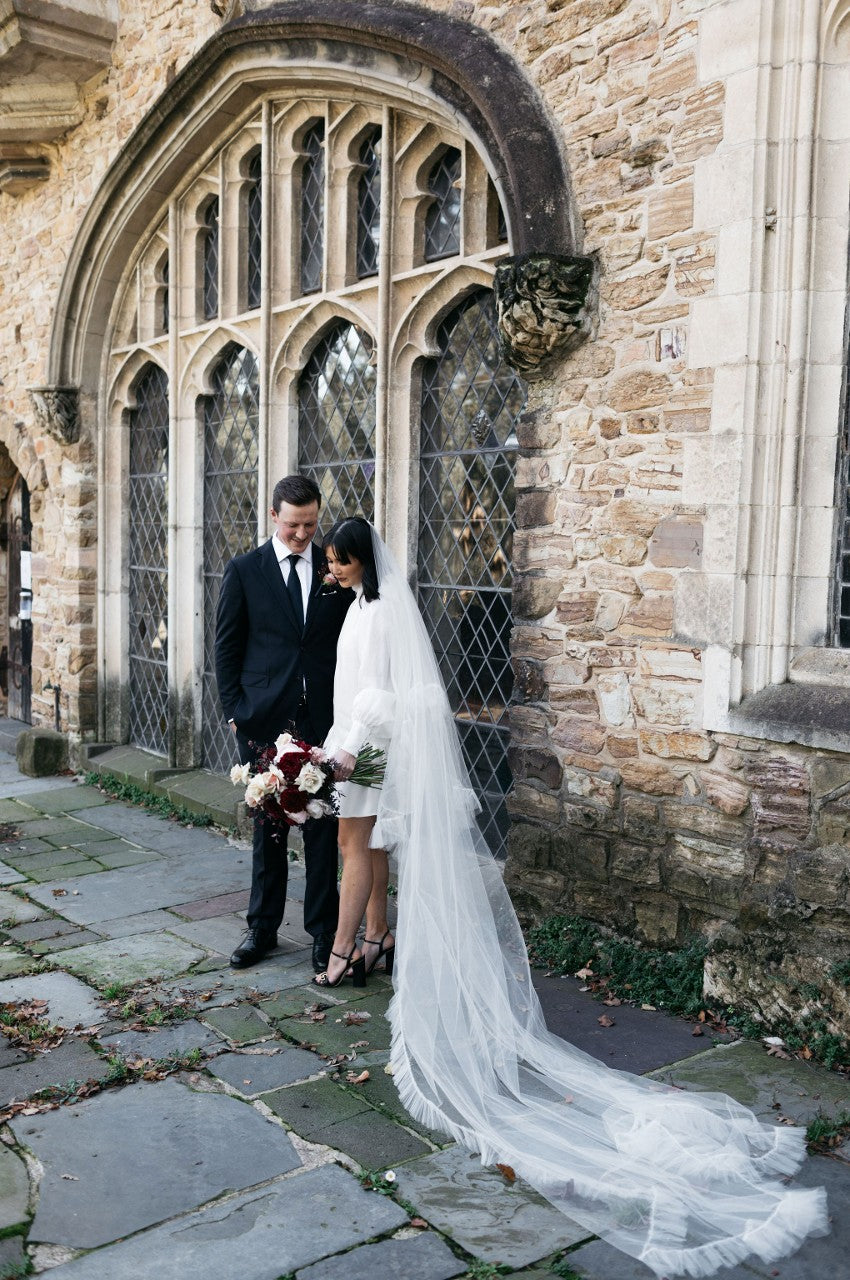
(622, 745)
(666, 703)
(526, 801)
(610, 611)
(538, 430)
(577, 734)
(662, 661)
(528, 846)
(702, 820)
(657, 920)
(708, 856)
(534, 597)
(677, 544)
(651, 615)
(538, 764)
(670, 210)
(40, 752)
(529, 684)
(607, 577)
(580, 701)
(641, 819)
(615, 705)
(578, 606)
(578, 852)
(652, 779)
(566, 671)
(635, 863)
(628, 516)
(641, 389)
(677, 746)
(535, 509)
(822, 876)
(636, 291)
(725, 793)
(600, 787)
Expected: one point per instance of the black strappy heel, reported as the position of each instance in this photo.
(387, 952)
(357, 968)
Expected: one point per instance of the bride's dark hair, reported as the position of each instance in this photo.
(352, 537)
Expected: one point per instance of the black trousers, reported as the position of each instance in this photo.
(270, 865)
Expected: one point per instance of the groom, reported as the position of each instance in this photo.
(275, 653)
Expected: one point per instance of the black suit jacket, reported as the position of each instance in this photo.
(263, 660)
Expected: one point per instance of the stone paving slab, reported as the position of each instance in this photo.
(223, 904)
(747, 1073)
(36, 930)
(240, 1023)
(12, 812)
(20, 850)
(8, 875)
(490, 1218)
(59, 876)
(373, 1140)
(13, 1260)
(53, 829)
(380, 1090)
(174, 1041)
(13, 907)
(294, 1002)
(9, 1054)
(218, 933)
(68, 799)
(160, 884)
(14, 1188)
(142, 1154)
(311, 1107)
(225, 985)
(70, 1003)
(280, 1229)
(421, 1257)
(254, 1073)
(13, 962)
(335, 1035)
(74, 938)
(72, 1060)
(129, 856)
(144, 922)
(141, 957)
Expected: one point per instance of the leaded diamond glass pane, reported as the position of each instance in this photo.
(442, 221)
(336, 423)
(255, 230)
(210, 243)
(231, 445)
(148, 563)
(313, 209)
(369, 206)
(471, 400)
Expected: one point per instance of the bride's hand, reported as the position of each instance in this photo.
(344, 763)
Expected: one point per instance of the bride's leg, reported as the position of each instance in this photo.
(377, 928)
(355, 887)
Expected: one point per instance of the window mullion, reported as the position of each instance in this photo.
(383, 334)
(178, 591)
(265, 351)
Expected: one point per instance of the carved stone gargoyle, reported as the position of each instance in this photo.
(57, 411)
(545, 305)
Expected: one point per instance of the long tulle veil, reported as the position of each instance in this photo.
(686, 1183)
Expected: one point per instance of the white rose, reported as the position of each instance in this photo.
(310, 779)
(283, 743)
(298, 818)
(317, 809)
(240, 774)
(255, 793)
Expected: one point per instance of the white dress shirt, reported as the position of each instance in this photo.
(303, 565)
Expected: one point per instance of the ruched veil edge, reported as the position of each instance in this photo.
(687, 1183)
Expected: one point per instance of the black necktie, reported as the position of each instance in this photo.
(293, 586)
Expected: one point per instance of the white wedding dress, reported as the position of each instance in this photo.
(686, 1182)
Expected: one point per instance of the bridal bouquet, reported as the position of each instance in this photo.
(291, 782)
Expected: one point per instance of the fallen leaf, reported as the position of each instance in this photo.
(355, 1016)
(355, 1079)
(59, 893)
(317, 1017)
(775, 1052)
(612, 1001)
(702, 1013)
(650, 1007)
(418, 1222)
(697, 1031)
(205, 995)
(70, 1177)
(507, 1172)
(583, 973)
(605, 1021)
(805, 1052)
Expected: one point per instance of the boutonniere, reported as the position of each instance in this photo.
(329, 585)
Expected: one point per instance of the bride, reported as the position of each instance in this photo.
(686, 1183)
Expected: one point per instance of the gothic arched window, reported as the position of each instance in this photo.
(209, 241)
(336, 423)
(254, 217)
(471, 400)
(231, 452)
(442, 221)
(147, 516)
(369, 205)
(313, 208)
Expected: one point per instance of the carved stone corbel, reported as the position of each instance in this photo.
(228, 9)
(544, 305)
(57, 411)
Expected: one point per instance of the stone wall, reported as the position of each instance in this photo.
(626, 808)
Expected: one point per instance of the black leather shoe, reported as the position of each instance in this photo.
(322, 944)
(256, 944)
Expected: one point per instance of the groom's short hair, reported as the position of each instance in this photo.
(298, 491)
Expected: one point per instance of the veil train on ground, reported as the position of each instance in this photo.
(685, 1182)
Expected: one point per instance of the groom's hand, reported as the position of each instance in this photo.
(344, 763)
